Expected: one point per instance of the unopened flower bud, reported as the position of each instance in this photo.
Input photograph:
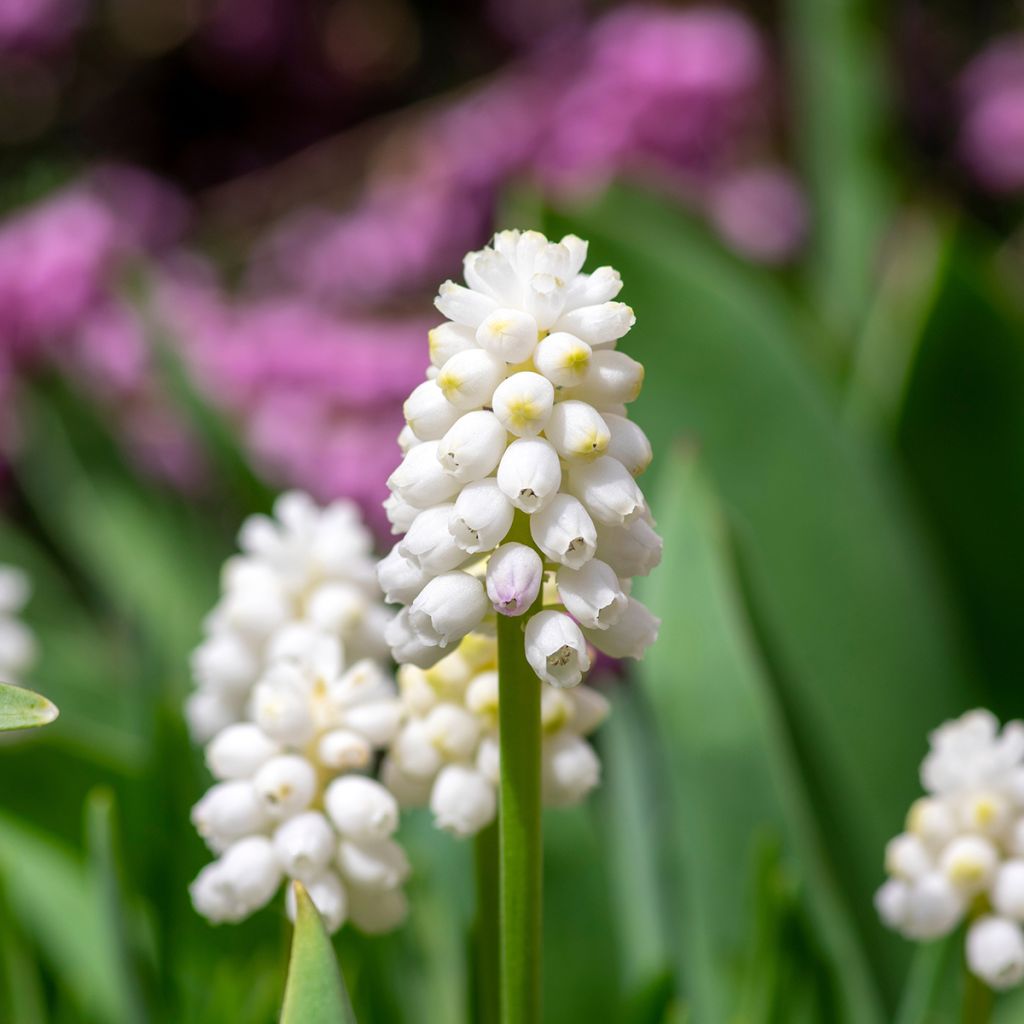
(428, 413)
(400, 578)
(592, 594)
(529, 473)
(378, 865)
(250, 873)
(400, 513)
(406, 646)
(523, 403)
(463, 305)
(995, 952)
(598, 325)
(891, 903)
(228, 811)
(607, 490)
(563, 359)
(564, 531)
(429, 543)
(571, 770)
(473, 446)
(344, 750)
(556, 649)
(469, 378)
(377, 720)
(612, 378)
(630, 634)
(932, 821)
(481, 517)
(447, 608)
(578, 431)
(514, 575)
(934, 908)
(361, 809)
(509, 334)
(239, 750)
(305, 845)
(969, 863)
(419, 480)
(906, 857)
(633, 549)
(452, 731)
(593, 289)
(286, 785)
(446, 340)
(628, 444)
(462, 800)
(1008, 890)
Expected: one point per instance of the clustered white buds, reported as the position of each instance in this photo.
(17, 642)
(445, 756)
(305, 565)
(308, 714)
(523, 413)
(962, 851)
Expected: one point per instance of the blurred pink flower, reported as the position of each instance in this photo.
(680, 91)
(991, 139)
(38, 25)
(760, 212)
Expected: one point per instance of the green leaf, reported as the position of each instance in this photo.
(732, 782)
(23, 709)
(315, 992)
(837, 91)
(848, 606)
(54, 899)
(101, 829)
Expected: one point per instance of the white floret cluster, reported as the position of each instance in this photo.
(308, 719)
(520, 463)
(305, 564)
(962, 853)
(17, 641)
(446, 756)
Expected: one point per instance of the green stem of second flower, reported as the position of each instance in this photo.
(520, 848)
(978, 1000)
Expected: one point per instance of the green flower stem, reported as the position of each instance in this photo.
(978, 1000)
(520, 848)
(485, 996)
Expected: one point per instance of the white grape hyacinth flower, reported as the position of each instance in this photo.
(290, 801)
(961, 853)
(445, 756)
(17, 641)
(519, 441)
(306, 564)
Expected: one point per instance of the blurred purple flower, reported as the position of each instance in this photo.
(677, 90)
(38, 25)
(992, 131)
(760, 212)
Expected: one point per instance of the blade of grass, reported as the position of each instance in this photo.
(23, 709)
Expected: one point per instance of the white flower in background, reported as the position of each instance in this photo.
(445, 755)
(305, 565)
(963, 847)
(17, 642)
(288, 804)
(523, 414)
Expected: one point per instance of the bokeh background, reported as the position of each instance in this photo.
(223, 223)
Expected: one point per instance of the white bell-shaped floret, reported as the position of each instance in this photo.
(523, 403)
(563, 359)
(509, 334)
(473, 446)
(514, 576)
(447, 608)
(995, 952)
(462, 800)
(428, 413)
(529, 473)
(578, 431)
(481, 517)
(556, 649)
(564, 531)
(305, 845)
(469, 378)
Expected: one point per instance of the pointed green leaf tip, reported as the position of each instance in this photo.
(23, 709)
(315, 992)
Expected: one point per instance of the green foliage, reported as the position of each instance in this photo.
(315, 993)
(23, 709)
